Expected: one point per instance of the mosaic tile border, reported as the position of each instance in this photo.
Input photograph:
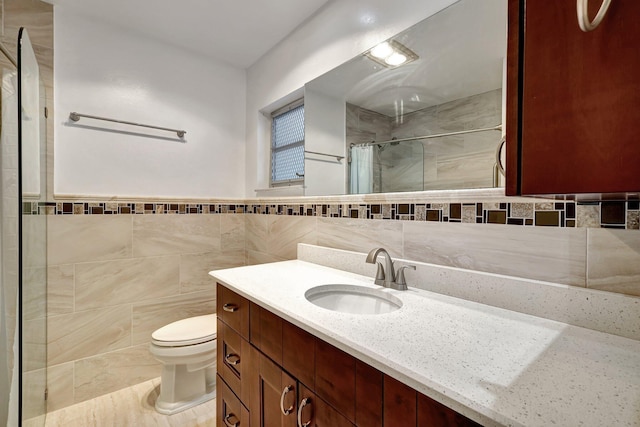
(604, 214)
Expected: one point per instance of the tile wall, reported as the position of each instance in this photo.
(113, 280)
(118, 271)
(459, 161)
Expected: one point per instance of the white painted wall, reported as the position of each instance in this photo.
(107, 71)
(338, 32)
(324, 129)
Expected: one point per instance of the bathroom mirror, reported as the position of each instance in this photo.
(430, 124)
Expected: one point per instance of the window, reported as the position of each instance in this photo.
(287, 145)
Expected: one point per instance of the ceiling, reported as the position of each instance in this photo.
(461, 51)
(237, 32)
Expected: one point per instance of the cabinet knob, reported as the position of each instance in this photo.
(286, 390)
(304, 402)
(231, 423)
(230, 307)
(232, 359)
(583, 15)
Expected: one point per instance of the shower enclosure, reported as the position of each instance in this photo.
(24, 245)
(458, 159)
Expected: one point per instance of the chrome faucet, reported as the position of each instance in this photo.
(386, 276)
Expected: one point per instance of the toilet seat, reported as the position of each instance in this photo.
(186, 332)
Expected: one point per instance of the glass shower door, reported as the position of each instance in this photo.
(33, 240)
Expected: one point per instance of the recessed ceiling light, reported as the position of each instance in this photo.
(382, 51)
(395, 59)
(391, 54)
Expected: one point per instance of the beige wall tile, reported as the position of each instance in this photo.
(34, 292)
(34, 384)
(34, 349)
(60, 384)
(37, 16)
(255, 257)
(552, 254)
(232, 232)
(195, 268)
(87, 333)
(257, 229)
(151, 315)
(613, 260)
(60, 288)
(113, 371)
(174, 234)
(34, 232)
(107, 283)
(285, 232)
(88, 238)
(360, 235)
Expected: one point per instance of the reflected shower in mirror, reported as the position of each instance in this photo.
(433, 123)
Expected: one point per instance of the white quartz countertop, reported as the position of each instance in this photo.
(496, 366)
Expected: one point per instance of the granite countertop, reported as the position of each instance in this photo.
(496, 366)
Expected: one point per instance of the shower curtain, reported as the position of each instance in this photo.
(9, 363)
(361, 169)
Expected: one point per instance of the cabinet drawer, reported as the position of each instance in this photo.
(234, 360)
(229, 410)
(233, 309)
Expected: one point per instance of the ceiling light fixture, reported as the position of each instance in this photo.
(395, 59)
(391, 54)
(382, 51)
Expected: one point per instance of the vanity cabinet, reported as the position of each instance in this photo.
(277, 372)
(572, 99)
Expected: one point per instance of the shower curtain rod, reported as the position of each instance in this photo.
(8, 55)
(439, 135)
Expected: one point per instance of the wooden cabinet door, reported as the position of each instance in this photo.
(315, 412)
(572, 99)
(229, 410)
(273, 395)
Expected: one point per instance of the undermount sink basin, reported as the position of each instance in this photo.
(353, 299)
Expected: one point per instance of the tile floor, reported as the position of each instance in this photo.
(133, 406)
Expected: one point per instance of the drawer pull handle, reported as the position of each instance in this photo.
(286, 390)
(583, 16)
(306, 401)
(232, 359)
(234, 423)
(230, 307)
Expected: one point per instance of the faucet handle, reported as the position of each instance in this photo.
(401, 281)
(380, 276)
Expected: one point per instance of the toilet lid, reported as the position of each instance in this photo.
(194, 330)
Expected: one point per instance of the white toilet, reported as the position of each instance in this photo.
(187, 350)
